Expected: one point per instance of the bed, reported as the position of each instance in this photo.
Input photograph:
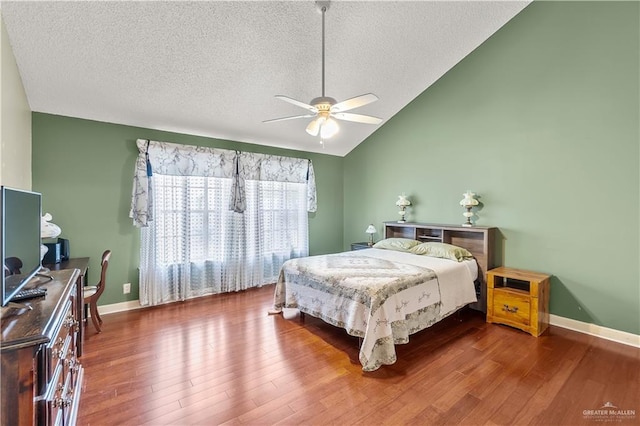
(385, 294)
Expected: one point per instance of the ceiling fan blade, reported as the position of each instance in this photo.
(314, 127)
(298, 103)
(353, 103)
(358, 118)
(289, 118)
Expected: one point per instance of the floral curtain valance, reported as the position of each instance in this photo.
(187, 160)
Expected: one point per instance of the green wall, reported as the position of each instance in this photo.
(542, 121)
(84, 170)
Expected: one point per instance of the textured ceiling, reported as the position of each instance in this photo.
(213, 68)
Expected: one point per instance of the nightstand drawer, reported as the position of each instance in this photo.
(511, 307)
(360, 246)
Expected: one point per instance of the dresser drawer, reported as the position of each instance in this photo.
(58, 348)
(512, 307)
(51, 411)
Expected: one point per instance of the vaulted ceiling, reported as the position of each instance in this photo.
(212, 68)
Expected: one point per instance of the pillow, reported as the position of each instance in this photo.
(442, 250)
(398, 244)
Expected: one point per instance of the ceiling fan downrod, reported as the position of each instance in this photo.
(323, 6)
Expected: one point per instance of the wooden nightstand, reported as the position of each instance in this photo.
(360, 246)
(518, 298)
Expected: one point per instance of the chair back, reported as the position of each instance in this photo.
(12, 265)
(103, 273)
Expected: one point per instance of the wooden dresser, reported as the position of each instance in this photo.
(41, 374)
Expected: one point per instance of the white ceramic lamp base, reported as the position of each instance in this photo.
(468, 214)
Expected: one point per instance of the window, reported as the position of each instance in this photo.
(198, 246)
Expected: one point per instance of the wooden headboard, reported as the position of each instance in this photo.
(479, 240)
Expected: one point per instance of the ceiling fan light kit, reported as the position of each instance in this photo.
(325, 110)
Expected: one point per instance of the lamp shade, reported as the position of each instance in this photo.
(48, 229)
(329, 128)
(468, 199)
(371, 229)
(403, 201)
(314, 127)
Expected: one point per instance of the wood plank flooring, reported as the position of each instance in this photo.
(222, 360)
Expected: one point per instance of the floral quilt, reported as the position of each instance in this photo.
(378, 299)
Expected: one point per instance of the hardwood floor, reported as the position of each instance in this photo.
(222, 359)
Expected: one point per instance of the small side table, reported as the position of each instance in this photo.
(518, 298)
(360, 246)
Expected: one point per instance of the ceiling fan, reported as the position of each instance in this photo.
(325, 109)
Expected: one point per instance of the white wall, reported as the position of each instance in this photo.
(15, 120)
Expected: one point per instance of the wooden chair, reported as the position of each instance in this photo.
(12, 265)
(93, 293)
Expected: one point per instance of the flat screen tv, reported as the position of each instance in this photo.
(21, 218)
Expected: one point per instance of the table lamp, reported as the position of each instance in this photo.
(468, 202)
(403, 202)
(371, 230)
(47, 230)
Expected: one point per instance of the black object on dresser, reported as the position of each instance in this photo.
(53, 254)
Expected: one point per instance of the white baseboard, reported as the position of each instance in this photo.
(119, 307)
(568, 323)
(596, 330)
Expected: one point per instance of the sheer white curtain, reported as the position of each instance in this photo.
(197, 246)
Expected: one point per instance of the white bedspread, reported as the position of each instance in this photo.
(376, 294)
(455, 278)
